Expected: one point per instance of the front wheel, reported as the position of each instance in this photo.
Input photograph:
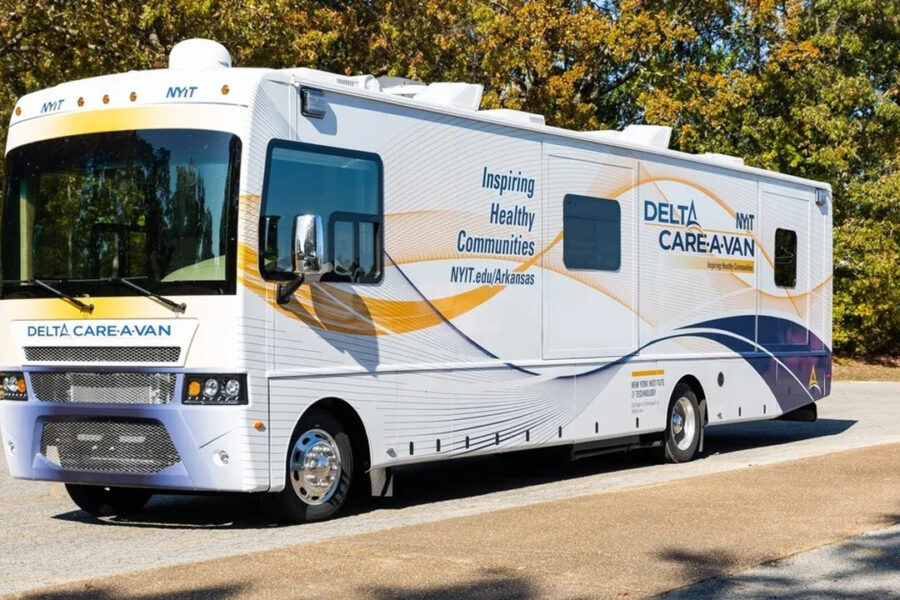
(107, 501)
(319, 471)
(684, 425)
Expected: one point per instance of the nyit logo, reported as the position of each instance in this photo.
(181, 92)
(52, 106)
(743, 221)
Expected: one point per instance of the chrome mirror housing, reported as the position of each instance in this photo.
(307, 255)
(309, 247)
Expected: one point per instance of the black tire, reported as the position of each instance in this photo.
(678, 449)
(287, 505)
(107, 501)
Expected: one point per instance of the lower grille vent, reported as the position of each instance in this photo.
(109, 445)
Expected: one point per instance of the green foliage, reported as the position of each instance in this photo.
(808, 87)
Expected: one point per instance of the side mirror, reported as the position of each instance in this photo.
(309, 247)
(307, 255)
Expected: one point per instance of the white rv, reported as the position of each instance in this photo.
(291, 282)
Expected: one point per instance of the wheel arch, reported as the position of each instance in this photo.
(692, 382)
(349, 417)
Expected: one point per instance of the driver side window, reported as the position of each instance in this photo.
(344, 188)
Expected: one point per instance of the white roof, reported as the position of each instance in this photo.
(236, 86)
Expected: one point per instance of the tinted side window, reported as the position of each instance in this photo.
(342, 187)
(785, 257)
(592, 233)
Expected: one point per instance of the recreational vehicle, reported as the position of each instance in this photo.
(292, 282)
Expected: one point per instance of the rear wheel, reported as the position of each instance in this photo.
(107, 501)
(319, 471)
(684, 425)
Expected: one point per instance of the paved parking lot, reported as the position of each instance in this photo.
(45, 540)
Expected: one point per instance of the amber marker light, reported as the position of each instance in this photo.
(80, 102)
(20, 385)
(18, 110)
(259, 425)
(225, 90)
(105, 98)
(194, 388)
(133, 96)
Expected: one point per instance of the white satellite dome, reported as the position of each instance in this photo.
(199, 53)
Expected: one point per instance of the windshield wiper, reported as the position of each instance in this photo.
(170, 304)
(88, 308)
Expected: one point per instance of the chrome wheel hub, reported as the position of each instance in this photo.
(315, 467)
(683, 423)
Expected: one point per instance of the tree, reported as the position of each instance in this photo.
(807, 87)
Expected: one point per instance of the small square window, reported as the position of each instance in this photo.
(592, 233)
(785, 258)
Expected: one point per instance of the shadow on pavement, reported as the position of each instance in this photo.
(494, 586)
(742, 436)
(462, 478)
(99, 593)
(848, 573)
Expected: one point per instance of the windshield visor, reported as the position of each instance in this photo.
(155, 206)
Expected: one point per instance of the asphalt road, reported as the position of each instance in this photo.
(44, 540)
(865, 567)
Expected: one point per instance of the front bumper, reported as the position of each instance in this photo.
(200, 434)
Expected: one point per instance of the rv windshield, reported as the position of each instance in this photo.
(158, 207)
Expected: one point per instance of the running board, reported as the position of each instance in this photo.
(589, 449)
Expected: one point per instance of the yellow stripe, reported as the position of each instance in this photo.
(648, 373)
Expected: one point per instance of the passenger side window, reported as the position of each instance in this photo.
(785, 258)
(344, 189)
(592, 233)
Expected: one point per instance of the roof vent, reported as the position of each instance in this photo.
(655, 136)
(725, 159)
(457, 95)
(199, 53)
(515, 116)
(400, 86)
(362, 82)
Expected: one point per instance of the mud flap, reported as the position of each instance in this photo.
(703, 421)
(382, 481)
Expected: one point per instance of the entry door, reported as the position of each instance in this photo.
(590, 303)
(785, 280)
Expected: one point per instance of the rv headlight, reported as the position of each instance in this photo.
(232, 387)
(14, 387)
(210, 388)
(215, 389)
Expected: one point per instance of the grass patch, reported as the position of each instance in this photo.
(881, 368)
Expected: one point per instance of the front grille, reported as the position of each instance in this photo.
(110, 445)
(103, 354)
(104, 388)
